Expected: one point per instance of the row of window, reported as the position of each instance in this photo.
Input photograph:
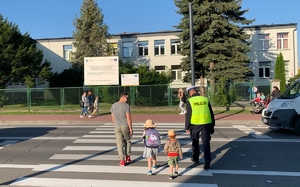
(264, 41)
(159, 48)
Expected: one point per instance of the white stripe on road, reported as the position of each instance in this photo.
(251, 132)
(107, 148)
(104, 157)
(57, 182)
(38, 138)
(183, 142)
(142, 169)
(134, 136)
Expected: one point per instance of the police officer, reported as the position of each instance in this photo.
(199, 118)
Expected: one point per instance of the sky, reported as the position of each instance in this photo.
(54, 18)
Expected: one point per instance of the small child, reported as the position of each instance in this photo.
(96, 106)
(173, 149)
(150, 136)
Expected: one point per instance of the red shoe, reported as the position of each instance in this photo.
(128, 160)
(122, 163)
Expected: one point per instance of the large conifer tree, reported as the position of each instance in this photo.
(91, 34)
(20, 60)
(220, 43)
(280, 72)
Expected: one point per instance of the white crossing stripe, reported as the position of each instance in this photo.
(187, 141)
(104, 157)
(250, 131)
(133, 136)
(118, 169)
(109, 148)
(58, 182)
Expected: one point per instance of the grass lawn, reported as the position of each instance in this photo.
(104, 109)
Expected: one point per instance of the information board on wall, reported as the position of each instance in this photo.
(101, 70)
(130, 79)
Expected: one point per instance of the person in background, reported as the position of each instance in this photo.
(96, 106)
(90, 97)
(85, 106)
(182, 100)
(275, 93)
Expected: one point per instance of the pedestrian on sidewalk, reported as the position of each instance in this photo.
(151, 140)
(121, 119)
(96, 106)
(199, 118)
(182, 100)
(85, 106)
(173, 149)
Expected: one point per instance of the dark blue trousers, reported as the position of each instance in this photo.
(205, 137)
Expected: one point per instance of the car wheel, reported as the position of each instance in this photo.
(297, 126)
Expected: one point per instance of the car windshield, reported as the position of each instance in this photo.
(291, 92)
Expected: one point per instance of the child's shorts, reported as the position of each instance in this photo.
(172, 160)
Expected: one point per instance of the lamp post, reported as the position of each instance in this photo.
(192, 43)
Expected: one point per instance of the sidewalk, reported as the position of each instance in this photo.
(136, 118)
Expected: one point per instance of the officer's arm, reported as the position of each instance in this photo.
(188, 115)
(212, 114)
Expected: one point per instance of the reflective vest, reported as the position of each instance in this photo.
(200, 111)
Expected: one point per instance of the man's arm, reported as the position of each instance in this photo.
(129, 122)
(112, 118)
(188, 115)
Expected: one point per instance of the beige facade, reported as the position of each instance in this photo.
(267, 41)
(160, 50)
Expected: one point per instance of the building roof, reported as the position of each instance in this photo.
(177, 31)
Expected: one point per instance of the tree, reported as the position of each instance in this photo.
(20, 60)
(220, 43)
(91, 34)
(280, 71)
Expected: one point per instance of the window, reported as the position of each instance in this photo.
(67, 52)
(176, 72)
(143, 48)
(160, 69)
(263, 41)
(175, 47)
(159, 47)
(282, 41)
(264, 69)
(114, 49)
(127, 49)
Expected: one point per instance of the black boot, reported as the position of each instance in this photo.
(206, 165)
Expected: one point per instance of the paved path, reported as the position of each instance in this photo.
(137, 118)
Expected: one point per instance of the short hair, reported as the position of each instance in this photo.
(124, 94)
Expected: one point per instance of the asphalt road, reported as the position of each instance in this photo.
(247, 155)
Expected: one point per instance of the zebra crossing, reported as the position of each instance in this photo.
(99, 145)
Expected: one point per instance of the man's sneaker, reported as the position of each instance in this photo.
(206, 165)
(122, 163)
(81, 116)
(154, 167)
(90, 116)
(181, 113)
(149, 173)
(176, 173)
(171, 177)
(128, 160)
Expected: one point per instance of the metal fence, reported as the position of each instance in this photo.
(143, 95)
